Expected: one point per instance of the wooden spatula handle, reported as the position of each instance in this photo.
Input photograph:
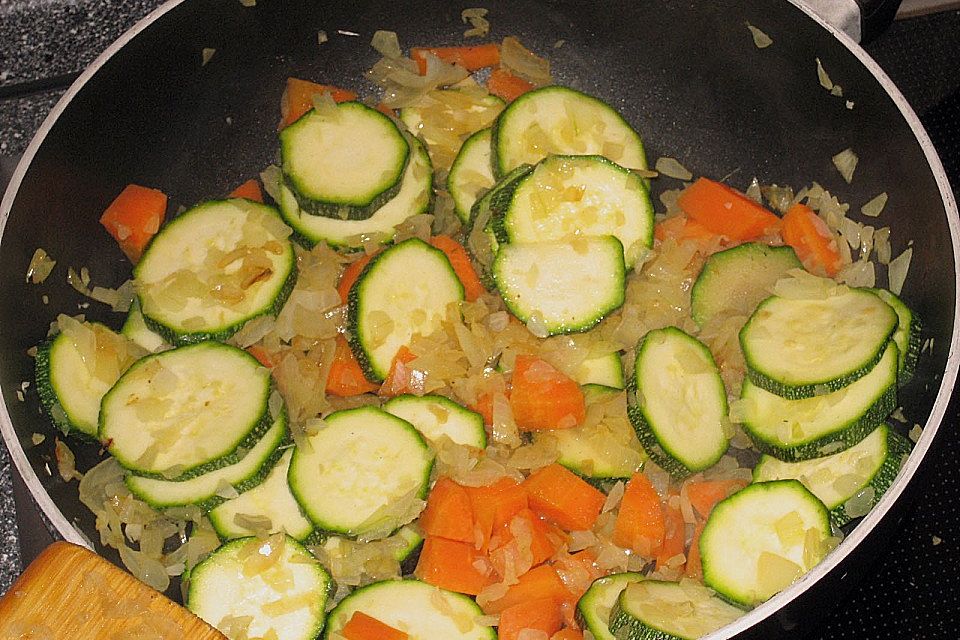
(71, 593)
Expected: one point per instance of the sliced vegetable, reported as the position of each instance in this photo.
(542, 614)
(539, 583)
(460, 261)
(653, 609)
(504, 84)
(345, 377)
(449, 513)
(640, 524)
(436, 416)
(134, 217)
(812, 240)
(544, 398)
(453, 565)
(726, 212)
(562, 497)
(298, 98)
(471, 173)
(907, 337)
(705, 494)
(249, 190)
(360, 626)
(593, 609)
(470, 58)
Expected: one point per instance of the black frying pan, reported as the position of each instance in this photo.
(686, 74)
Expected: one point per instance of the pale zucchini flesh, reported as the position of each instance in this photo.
(418, 609)
(359, 471)
(863, 472)
(270, 501)
(606, 450)
(677, 402)
(569, 285)
(594, 607)
(658, 610)
(275, 582)
(76, 369)
(761, 539)
(404, 291)
(436, 416)
(736, 280)
(563, 121)
(908, 335)
(801, 347)
(210, 489)
(344, 163)
(603, 370)
(180, 413)
(135, 328)
(196, 281)
(412, 199)
(471, 174)
(579, 195)
(805, 428)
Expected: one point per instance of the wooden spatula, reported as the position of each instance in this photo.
(71, 593)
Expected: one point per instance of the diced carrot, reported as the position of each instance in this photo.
(567, 634)
(673, 537)
(346, 377)
(705, 494)
(484, 406)
(298, 98)
(470, 58)
(694, 569)
(539, 582)
(683, 229)
(812, 240)
(505, 85)
(262, 355)
(448, 513)
(578, 571)
(453, 565)
(726, 212)
(134, 217)
(349, 276)
(544, 398)
(400, 379)
(561, 496)
(543, 536)
(462, 266)
(640, 524)
(249, 190)
(494, 505)
(542, 614)
(360, 626)
(385, 110)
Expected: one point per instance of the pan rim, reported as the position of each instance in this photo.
(63, 527)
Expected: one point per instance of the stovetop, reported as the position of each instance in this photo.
(913, 589)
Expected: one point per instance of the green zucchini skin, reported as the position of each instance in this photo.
(178, 336)
(48, 397)
(801, 385)
(670, 460)
(843, 435)
(709, 611)
(256, 428)
(475, 150)
(908, 336)
(602, 595)
(359, 207)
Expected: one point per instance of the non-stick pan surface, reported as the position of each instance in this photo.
(686, 74)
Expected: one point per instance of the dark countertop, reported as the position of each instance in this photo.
(913, 590)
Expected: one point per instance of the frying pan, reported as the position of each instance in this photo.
(685, 73)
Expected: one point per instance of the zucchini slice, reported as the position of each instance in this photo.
(404, 291)
(849, 483)
(794, 430)
(658, 610)
(344, 162)
(273, 584)
(907, 336)
(799, 347)
(566, 285)
(180, 413)
(578, 195)
(420, 610)
(594, 606)
(562, 121)
(677, 402)
(436, 416)
(761, 539)
(607, 450)
(444, 118)
(210, 489)
(361, 473)
(267, 507)
(602, 371)
(213, 268)
(471, 173)
(736, 280)
(135, 328)
(413, 198)
(75, 370)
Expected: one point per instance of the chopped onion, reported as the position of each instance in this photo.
(897, 270)
(206, 55)
(846, 164)
(760, 39)
(875, 206)
(387, 44)
(477, 19)
(523, 63)
(672, 168)
(825, 80)
(40, 266)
